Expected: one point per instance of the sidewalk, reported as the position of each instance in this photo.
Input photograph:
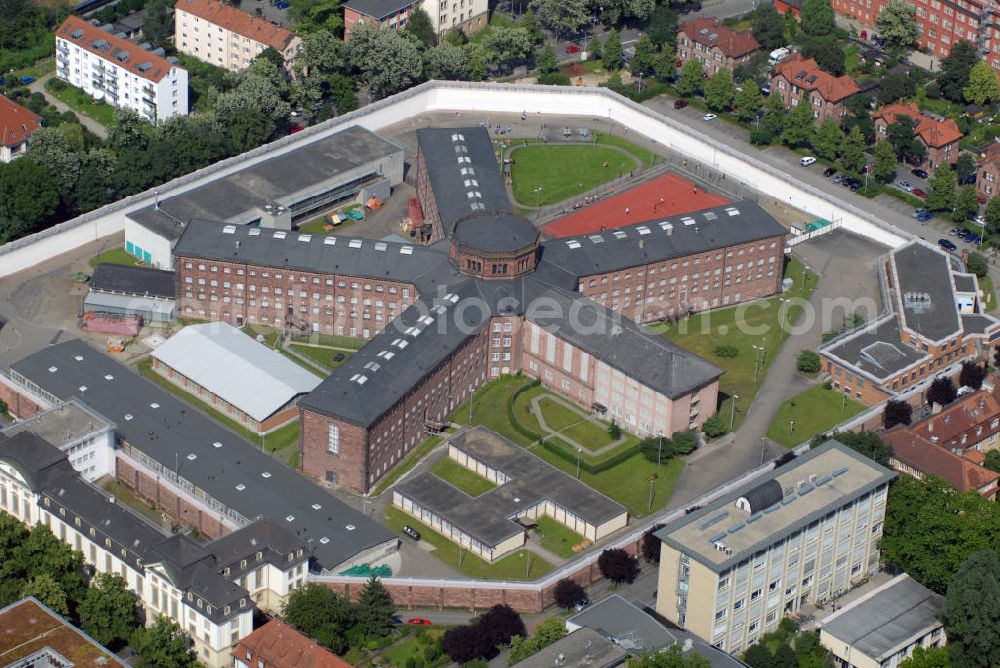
(87, 122)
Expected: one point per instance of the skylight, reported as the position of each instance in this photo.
(355, 243)
(305, 237)
(279, 234)
(330, 241)
(229, 229)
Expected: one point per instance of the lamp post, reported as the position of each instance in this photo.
(638, 84)
(578, 452)
(537, 197)
(732, 411)
(659, 448)
(763, 449)
(649, 506)
(791, 426)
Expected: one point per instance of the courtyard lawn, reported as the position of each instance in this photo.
(416, 456)
(489, 408)
(468, 481)
(114, 256)
(557, 538)
(815, 411)
(80, 102)
(702, 334)
(321, 355)
(563, 171)
(520, 565)
(645, 155)
(573, 425)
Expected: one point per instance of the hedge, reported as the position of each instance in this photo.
(593, 468)
(512, 414)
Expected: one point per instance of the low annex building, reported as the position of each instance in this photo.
(934, 318)
(278, 645)
(714, 45)
(36, 636)
(124, 290)
(16, 125)
(238, 376)
(495, 523)
(940, 136)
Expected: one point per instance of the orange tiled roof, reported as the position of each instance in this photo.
(974, 456)
(239, 22)
(732, 43)
(16, 122)
(806, 74)
(922, 455)
(278, 645)
(933, 132)
(112, 49)
(965, 415)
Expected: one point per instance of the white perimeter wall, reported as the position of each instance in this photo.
(481, 98)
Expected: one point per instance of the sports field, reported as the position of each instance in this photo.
(562, 171)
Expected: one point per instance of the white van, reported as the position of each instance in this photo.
(806, 161)
(777, 56)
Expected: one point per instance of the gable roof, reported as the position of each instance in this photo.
(922, 455)
(16, 122)
(278, 644)
(966, 414)
(806, 74)
(239, 22)
(933, 132)
(113, 49)
(709, 32)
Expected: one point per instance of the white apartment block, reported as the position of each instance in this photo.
(210, 589)
(805, 533)
(222, 35)
(118, 72)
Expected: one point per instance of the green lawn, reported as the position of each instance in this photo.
(270, 334)
(520, 565)
(562, 171)
(989, 294)
(573, 425)
(702, 333)
(645, 155)
(114, 256)
(468, 481)
(331, 340)
(489, 408)
(80, 102)
(415, 457)
(412, 647)
(813, 412)
(321, 355)
(557, 538)
(124, 495)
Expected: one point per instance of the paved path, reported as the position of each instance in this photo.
(549, 431)
(87, 122)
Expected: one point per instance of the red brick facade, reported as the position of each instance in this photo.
(713, 45)
(988, 174)
(939, 137)
(796, 80)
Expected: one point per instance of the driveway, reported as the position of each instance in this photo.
(85, 120)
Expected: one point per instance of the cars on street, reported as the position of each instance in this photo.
(947, 245)
(954, 232)
(919, 173)
(572, 48)
(829, 171)
(840, 178)
(419, 621)
(905, 186)
(680, 104)
(806, 161)
(708, 117)
(27, 80)
(919, 193)
(411, 532)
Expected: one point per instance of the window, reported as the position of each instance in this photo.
(333, 440)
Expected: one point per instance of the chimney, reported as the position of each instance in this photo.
(642, 243)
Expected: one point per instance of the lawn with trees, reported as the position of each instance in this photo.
(812, 412)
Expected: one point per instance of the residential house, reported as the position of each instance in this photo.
(278, 645)
(970, 423)
(988, 175)
(796, 79)
(16, 126)
(940, 136)
(469, 16)
(714, 45)
(917, 456)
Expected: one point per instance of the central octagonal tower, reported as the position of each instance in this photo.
(494, 245)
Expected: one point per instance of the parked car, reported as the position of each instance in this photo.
(840, 178)
(411, 532)
(853, 184)
(829, 171)
(905, 186)
(955, 231)
(339, 357)
(947, 245)
(919, 173)
(806, 161)
(680, 104)
(765, 90)
(971, 237)
(419, 621)
(581, 604)
(2, 81)
(27, 80)
(919, 193)
(708, 117)
(281, 4)
(572, 48)
(923, 215)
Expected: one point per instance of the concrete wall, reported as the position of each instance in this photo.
(482, 98)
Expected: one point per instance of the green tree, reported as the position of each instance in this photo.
(720, 91)
(162, 645)
(419, 25)
(897, 24)
(529, 21)
(662, 28)
(852, 155)
(156, 27)
(109, 612)
(867, 443)
(322, 53)
(885, 161)
(44, 587)
(935, 657)
(993, 460)
(900, 134)
(972, 612)
(340, 89)
(309, 16)
(942, 189)
(28, 198)
(982, 87)
(965, 166)
(128, 130)
(955, 70)
(616, 10)
(563, 17)
(547, 632)
(816, 18)
(389, 60)
(829, 138)
(748, 101)
(992, 215)
(375, 608)
(507, 46)
(774, 120)
(808, 361)
(446, 61)
(672, 657)
(896, 86)
(828, 54)
(966, 205)
(755, 71)
(714, 426)
(690, 77)
(799, 124)
(663, 66)
(51, 150)
(322, 614)
(768, 27)
(547, 62)
(594, 48)
(613, 50)
(645, 56)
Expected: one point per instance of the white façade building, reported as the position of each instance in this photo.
(119, 72)
(210, 589)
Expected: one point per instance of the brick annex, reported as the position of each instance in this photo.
(477, 295)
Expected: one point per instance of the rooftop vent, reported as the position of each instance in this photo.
(229, 229)
(240, 487)
(330, 241)
(77, 34)
(108, 376)
(406, 250)
(145, 67)
(316, 506)
(355, 243)
(265, 474)
(79, 358)
(191, 457)
(305, 237)
(324, 540)
(917, 301)
(217, 445)
(122, 56)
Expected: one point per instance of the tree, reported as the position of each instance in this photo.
(965, 167)
(419, 25)
(748, 101)
(563, 17)
(446, 61)
(613, 50)
(568, 593)
(51, 149)
(900, 134)
(128, 130)
(966, 205)
(663, 66)
(389, 60)
(896, 86)
(44, 587)
(616, 10)
(466, 643)
(992, 215)
(375, 608)
(982, 87)
(867, 443)
(109, 612)
(896, 412)
(942, 189)
(799, 124)
(768, 27)
(972, 612)
(618, 566)
(594, 48)
(885, 161)
(649, 545)
(310, 16)
(251, 112)
(828, 139)
(828, 54)
(720, 91)
(956, 69)
(644, 57)
(322, 53)
(321, 613)
(972, 375)
(28, 197)
(157, 26)
(934, 657)
(992, 461)
(942, 392)
(662, 28)
(501, 623)
(547, 632)
(808, 361)
(671, 657)
(774, 119)
(162, 645)
(547, 62)
(507, 46)
(816, 18)
(340, 88)
(714, 426)
(897, 24)
(755, 71)
(530, 22)
(689, 79)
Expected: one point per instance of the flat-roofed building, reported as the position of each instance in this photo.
(882, 628)
(582, 648)
(803, 533)
(37, 637)
(225, 36)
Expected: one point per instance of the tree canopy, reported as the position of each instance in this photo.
(972, 612)
(162, 645)
(956, 69)
(816, 18)
(109, 611)
(897, 24)
(618, 566)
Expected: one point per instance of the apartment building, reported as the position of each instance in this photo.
(120, 73)
(223, 35)
(939, 136)
(970, 423)
(801, 534)
(796, 79)
(469, 16)
(714, 45)
(16, 126)
(933, 319)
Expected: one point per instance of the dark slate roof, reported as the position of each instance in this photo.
(446, 152)
(139, 281)
(977, 323)
(494, 232)
(489, 517)
(764, 495)
(377, 9)
(965, 282)
(656, 241)
(265, 535)
(173, 433)
(878, 349)
(285, 178)
(921, 269)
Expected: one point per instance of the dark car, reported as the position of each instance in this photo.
(765, 90)
(919, 173)
(923, 215)
(947, 245)
(829, 171)
(411, 532)
(339, 357)
(853, 184)
(919, 193)
(581, 604)
(680, 104)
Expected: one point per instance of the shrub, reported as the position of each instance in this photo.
(808, 361)
(650, 544)
(726, 351)
(614, 431)
(714, 426)
(57, 84)
(553, 79)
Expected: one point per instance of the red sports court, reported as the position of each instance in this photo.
(667, 195)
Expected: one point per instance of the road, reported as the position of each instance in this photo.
(85, 120)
